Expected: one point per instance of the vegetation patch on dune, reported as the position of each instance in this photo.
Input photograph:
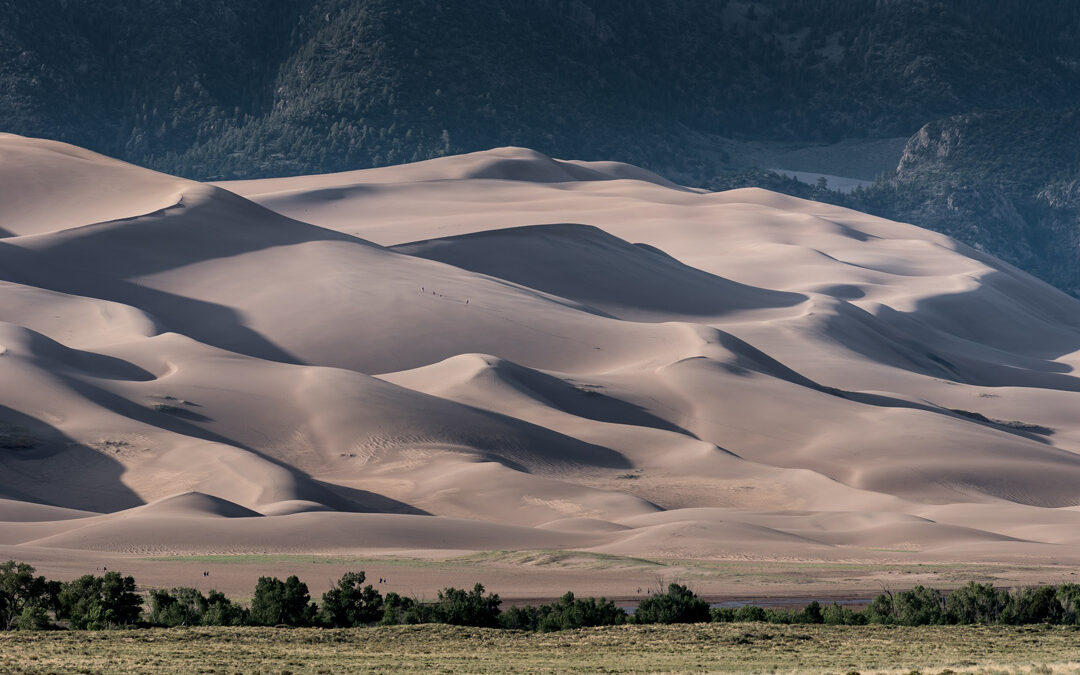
(15, 437)
(545, 558)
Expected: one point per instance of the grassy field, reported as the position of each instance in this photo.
(625, 649)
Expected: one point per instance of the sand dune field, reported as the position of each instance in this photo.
(505, 352)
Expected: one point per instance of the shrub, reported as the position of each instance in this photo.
(722, 614)
(95, 603)
(835, 615)
(921, 606)
(569, 613)
(33, 617)
(398, 609)
(220, 611)
(179, 607)
(348, 604)
(880, 609)
(749, 613)
(812, 613)
(1068, 596)
(525, 617)
(466, 608)
(278, 602)
(678, 605)
(566, 613)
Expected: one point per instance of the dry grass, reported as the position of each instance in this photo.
(627, 649)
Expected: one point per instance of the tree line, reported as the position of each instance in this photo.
(30, 602)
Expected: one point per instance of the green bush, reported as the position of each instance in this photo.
(678, 605)
(722, 614)
(812, 613)
(569, 613)
(348, 604)
(749, 613)
(835, 615)
(1033, 605)
(783, 616)
(1068, 596)
(976, 603)
(398, 609)
(179, 607)
(188, 607)
(278, 602)
(33, 617)
(220, 611)
(520, 617)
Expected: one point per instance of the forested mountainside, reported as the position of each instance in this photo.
(244, 88)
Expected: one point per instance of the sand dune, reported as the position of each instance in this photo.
(506, 351)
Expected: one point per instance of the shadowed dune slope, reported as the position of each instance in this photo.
(586, 264)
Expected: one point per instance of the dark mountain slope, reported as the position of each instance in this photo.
(230, 88)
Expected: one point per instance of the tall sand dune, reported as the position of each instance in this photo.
(506, 351)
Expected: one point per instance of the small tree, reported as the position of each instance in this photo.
(880, 609)
(179, 607)
(812, 613)
(1068, 596)
(678, 605)
(349, 604)
(520, 617)
(1033, 605)
(278, 602)
(33, 617)
(749, 613)
(976, 603)
(570, 613)
(398, 609)
(220, 611)
(21, 591)
(95, 603)
(722, 614)
(835, 615)
(921, 606)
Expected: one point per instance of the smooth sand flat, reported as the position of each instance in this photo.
(502, 351)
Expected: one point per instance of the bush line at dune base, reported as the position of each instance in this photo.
(29, 602)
